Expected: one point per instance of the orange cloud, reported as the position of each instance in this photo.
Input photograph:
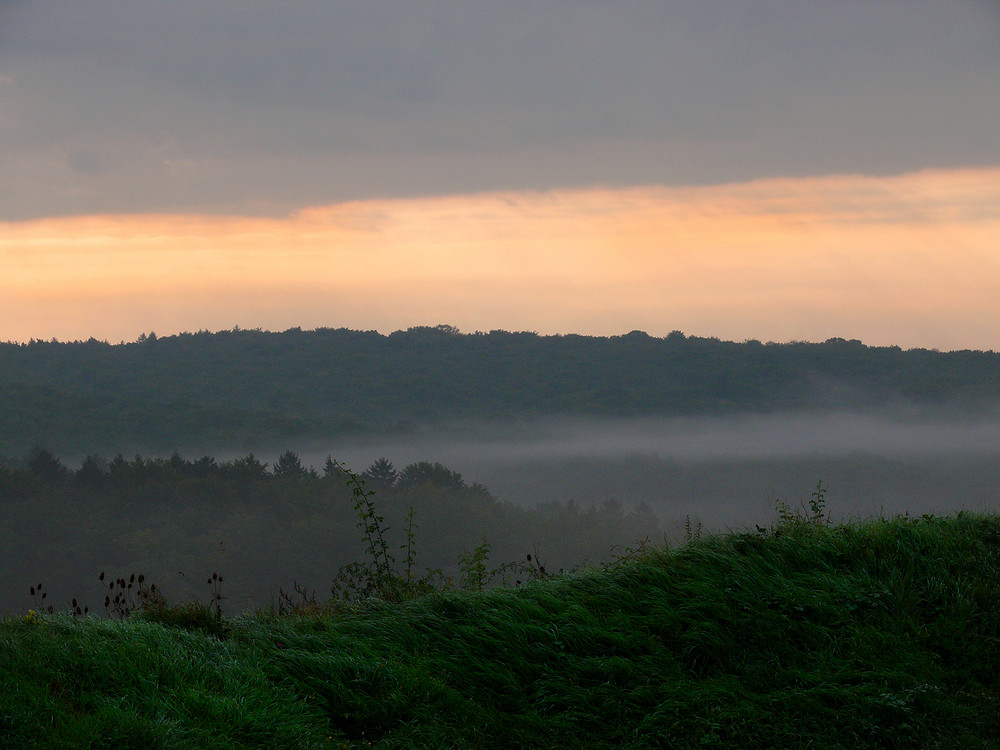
(908, 259)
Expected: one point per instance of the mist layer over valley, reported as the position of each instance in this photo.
(572, 491)
(726, 472)
(181, 456)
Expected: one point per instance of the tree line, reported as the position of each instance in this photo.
(252, 389)
(264, 527)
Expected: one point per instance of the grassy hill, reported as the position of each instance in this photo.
(869, 635)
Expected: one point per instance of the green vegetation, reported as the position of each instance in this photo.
(869, 635)
(266, 528)
(872, 634)
(251, 390)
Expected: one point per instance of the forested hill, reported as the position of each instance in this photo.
(249, 388)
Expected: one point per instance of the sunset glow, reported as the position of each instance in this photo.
(908, 260)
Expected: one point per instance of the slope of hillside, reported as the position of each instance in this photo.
(875, 635)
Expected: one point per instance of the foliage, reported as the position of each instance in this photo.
(245, 389)
(289, 466)
(477, 573)
(160, 516)
(193, 616)
(377, 576)
(381, 473)
(692, 529)
(807, 519)
(862, 636)
(425, 472)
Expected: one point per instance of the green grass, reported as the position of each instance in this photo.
(875, 634)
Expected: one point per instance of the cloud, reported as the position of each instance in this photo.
(265, 107)
(769, 259)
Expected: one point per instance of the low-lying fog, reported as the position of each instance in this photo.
(691, 439)
(726, 472)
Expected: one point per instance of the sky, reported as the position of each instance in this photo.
(746, 169)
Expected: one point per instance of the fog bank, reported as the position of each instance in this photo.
(756, 436)
(726, 472)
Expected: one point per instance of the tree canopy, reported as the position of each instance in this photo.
(250, 389)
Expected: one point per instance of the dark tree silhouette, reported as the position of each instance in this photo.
(289, 466)
(381, 473)
(425, 472)
(45, 466)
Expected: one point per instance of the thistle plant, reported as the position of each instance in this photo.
(215, 588)
(39, 594)
(126, 596)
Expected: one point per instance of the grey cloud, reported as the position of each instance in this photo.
(263, 107)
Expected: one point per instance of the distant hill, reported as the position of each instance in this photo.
(242, 389)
